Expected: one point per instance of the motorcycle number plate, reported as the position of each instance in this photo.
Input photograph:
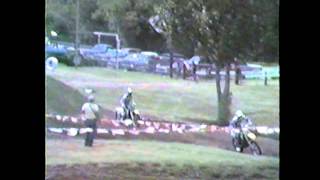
(252, 136)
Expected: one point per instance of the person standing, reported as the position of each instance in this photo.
(194, 71)
(90, 110)
(237, 71)
(265, 79)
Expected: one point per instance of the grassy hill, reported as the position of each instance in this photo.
(170, 158)
(174, 99)
(61, 98)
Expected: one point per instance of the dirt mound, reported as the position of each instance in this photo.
(61, 98)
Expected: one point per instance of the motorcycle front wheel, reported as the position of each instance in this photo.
(255, 149)
(234, 144)
(136, 118)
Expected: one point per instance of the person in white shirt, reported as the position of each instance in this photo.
(90, 111)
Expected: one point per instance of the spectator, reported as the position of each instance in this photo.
(90, 110)
(194, 71)
(184, 70)
(238, 72)
(265, 79)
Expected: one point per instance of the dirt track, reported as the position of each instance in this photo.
(144, 171)
(220, 139)
(270, 147)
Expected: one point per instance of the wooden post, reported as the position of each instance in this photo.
(184, 70)
(265, 79)
(194, 71)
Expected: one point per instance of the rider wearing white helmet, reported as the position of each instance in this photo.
(239, 119)
(127, 101)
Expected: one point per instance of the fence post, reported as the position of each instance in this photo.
(265, 79)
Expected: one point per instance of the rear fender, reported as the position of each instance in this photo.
(120, 110)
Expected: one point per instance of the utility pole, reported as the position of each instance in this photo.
(117, 39)
(169, 45)
(77, 45)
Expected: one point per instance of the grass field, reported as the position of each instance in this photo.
(174, 156)
(173, 99)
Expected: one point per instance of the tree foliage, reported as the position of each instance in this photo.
(223, 30)
(130, 19)
(255, 24)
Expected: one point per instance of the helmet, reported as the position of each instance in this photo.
(239, 113)
(129, 90)
(91, 98)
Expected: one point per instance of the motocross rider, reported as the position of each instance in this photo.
(238, 121)
(127, 103)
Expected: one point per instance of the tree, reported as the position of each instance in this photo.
(61, 17)
(223, 31)
(130, 18)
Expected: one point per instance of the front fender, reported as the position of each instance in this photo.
(136, 112)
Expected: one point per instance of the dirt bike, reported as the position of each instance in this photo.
(245, 138)
(128, 119)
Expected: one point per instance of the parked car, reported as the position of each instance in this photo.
(272, 72)
(96, 49)
(129, 61)
(53, 50)
(109, 57)
(89, 55)
(58, 51)
(165, 57)
(150, 53)
(131, 50)
(137, 62)
(161, 64)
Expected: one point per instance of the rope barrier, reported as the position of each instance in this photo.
(151, 127)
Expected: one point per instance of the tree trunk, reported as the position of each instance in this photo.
(224, 99)
(170, 48)
(171, 63)
(218, 82)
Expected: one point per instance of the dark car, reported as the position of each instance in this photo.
(112, 57)
(131, 50)
(97, 49)
(129, 61)
(136, 62)
(89, 56)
